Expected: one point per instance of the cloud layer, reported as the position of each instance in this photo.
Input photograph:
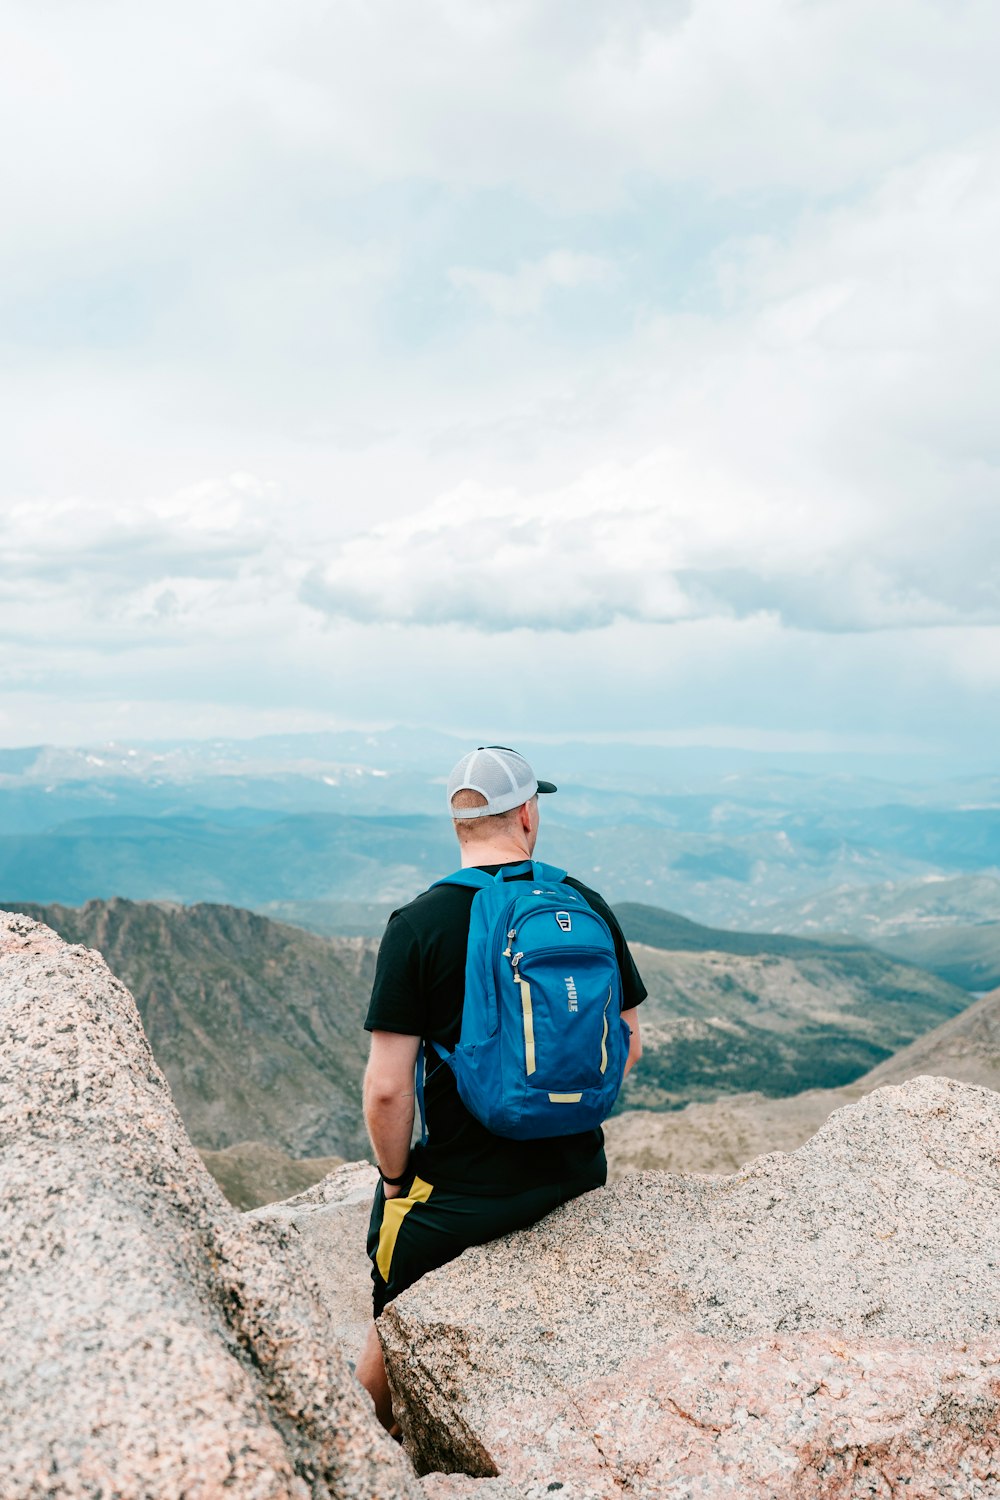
(347, 352)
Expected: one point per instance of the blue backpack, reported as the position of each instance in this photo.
(543, 1046)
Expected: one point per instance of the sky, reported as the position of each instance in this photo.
(556, 368)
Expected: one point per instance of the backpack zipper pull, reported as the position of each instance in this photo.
(510, 937)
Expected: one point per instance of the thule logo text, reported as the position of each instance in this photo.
(571, 992)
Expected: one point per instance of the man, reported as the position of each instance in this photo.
(465, 1185)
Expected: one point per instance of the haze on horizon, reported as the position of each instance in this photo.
(572, 369)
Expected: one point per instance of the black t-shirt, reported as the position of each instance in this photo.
(418, 991)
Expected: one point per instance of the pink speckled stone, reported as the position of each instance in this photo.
(155, 1343)
(821, 1325)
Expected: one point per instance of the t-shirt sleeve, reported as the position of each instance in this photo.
(396, 1003)
(633, 989)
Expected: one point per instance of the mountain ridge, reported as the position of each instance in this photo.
(259, 1025)
(209, 981)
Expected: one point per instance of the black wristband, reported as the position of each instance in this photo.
(392, 1181)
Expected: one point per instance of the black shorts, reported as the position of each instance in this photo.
(427, 1226)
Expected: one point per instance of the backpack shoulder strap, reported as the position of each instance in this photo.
(477, 879)
(480, 881)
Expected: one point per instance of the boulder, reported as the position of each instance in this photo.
(154, 1342)
(330, 1221)
(820, 1325)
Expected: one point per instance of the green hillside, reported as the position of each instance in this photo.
(257, 1026)
(253, 1173)
(966, 956)
(732, 1012)
(963, 956)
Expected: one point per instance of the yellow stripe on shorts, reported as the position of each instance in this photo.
(393, 1215)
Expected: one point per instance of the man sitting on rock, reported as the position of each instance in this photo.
(464, 1185)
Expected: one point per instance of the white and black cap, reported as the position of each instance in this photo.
(500, 775)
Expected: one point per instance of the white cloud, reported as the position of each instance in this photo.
(714, 680)
(569, 101)
(205, 530)
(115, 124)
(833, 458)
(521, 293)
(659, 542)
(80, 576)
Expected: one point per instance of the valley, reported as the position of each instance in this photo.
(258, 1026)
(720, 1135)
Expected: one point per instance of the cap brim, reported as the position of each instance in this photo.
(547, 786)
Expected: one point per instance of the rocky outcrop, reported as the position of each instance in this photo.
(821, 1325)
(719, 1136)
(330, 1222)
(154, 1342)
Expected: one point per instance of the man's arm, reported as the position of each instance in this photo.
(631, 1019)
(388, 1101)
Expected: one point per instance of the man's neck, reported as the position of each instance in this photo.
(494, 852)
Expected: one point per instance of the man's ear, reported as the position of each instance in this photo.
(524, 814)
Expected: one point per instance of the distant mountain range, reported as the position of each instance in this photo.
(966, 956)
(841, 875)
(247, 863)
(950, 925)
(335, 829)
(255, 859)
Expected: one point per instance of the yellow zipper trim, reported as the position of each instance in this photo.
(529, 1027)
(565, 1098)
(604, 1038)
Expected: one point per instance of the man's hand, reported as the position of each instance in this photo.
(631, 1019)
(389, 1101)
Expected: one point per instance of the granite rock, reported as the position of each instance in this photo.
(154, 1342)
(330, 1222)
(820, 1325)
